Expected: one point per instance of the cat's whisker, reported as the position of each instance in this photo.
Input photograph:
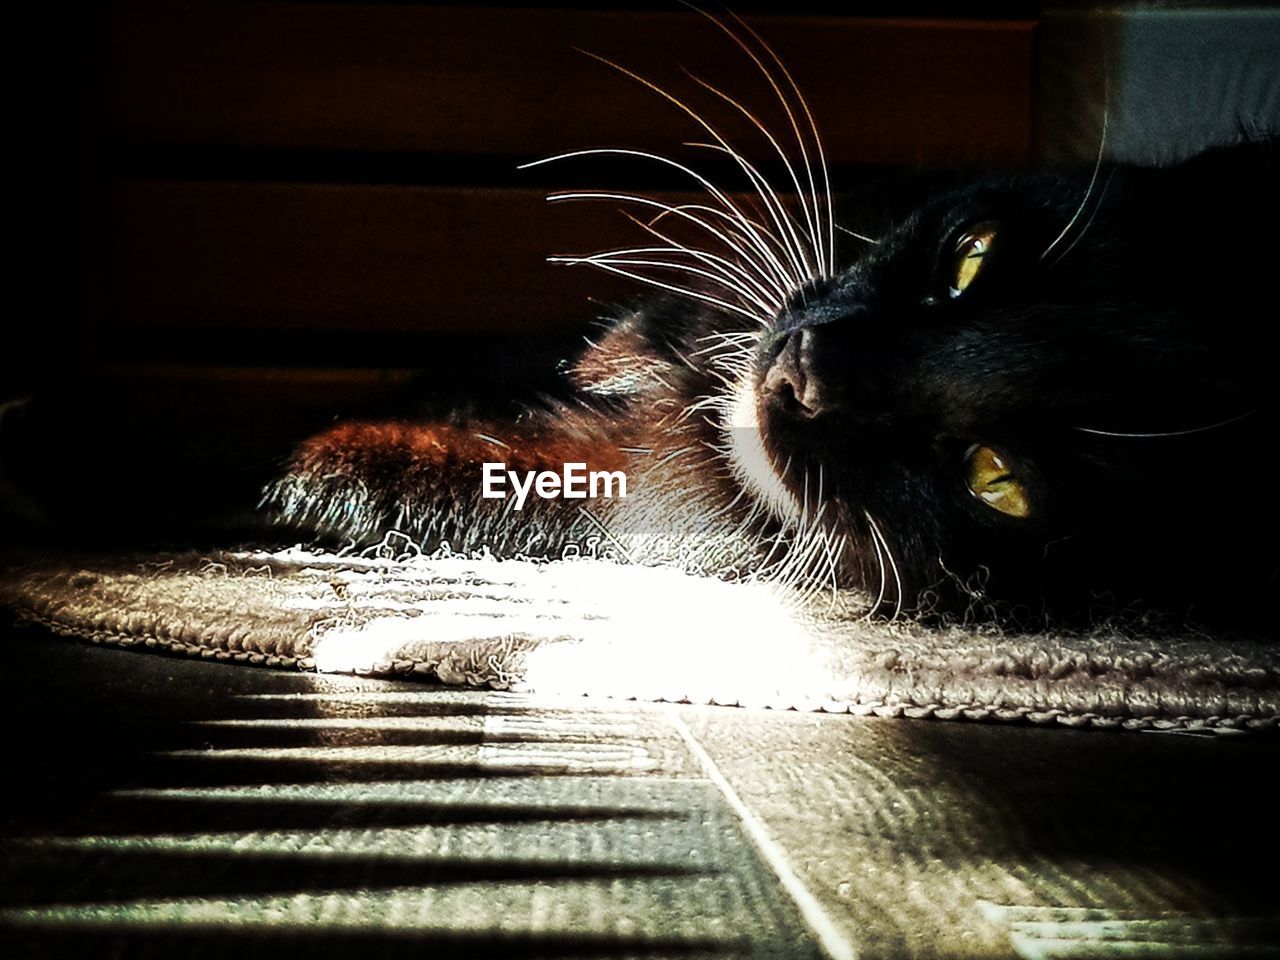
(723, 354)
(1174, 433)
(607, 534)
(769, 301)
(742, 338)
(785, 223)
(684, 291)
(744, 355)
(715, 192)
(709, 402)
(1106, 184)
(606, 263)
(767, 571)
(729, 368)
(817, 141)
(804, 500)
(741, 347)
(764, 233)
(685, 360)
(813, 550)
(1088, 192)
(813, 560)
(627, 257)
(720, 276)
(809, 213)
(742, 162)
(858, 236)
(724, 236)
(801, 560)
(828, 561)
(734, 367)
(735, 360)
(825, 253)
(728, 353)
(884, 575)
(831, 577)
(728, 381)
(878, 534)
(719, 355)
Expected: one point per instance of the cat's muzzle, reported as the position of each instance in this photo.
(789, 385)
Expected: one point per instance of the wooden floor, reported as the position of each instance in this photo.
(164, 807)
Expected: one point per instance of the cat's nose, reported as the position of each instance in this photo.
(789, 384)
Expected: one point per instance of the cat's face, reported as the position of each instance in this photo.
(973, 398)
(1043, 390)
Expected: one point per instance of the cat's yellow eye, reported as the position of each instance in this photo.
(971, 253)
(993, 481)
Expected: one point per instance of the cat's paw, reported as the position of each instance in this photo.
(360, 480)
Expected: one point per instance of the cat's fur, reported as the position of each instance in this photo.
(1118, 346)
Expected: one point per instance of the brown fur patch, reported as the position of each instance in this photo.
(447, 447)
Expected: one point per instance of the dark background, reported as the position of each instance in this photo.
(254, 217)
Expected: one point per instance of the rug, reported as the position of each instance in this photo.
(589, 626)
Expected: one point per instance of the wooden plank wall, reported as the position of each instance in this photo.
(330, 184)
(351, 168)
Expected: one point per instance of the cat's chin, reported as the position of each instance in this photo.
(749, 458)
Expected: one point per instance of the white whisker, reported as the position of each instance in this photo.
(749, 337)
(809, 214)
(765, 234)
(835, 567)
(1102, 194)
(607, 533)
(712, 189)
(725, 349)
(1097, 167)
(813, 127)
(858, 236)
(719, 276)
(1174, 433)
(804, 500)
(884, 576)
(784, 221)
(893, 564)
(685, 291)
(723, 236)
(742, 162)
(769, 303)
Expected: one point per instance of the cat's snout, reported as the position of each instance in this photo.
(789, 383)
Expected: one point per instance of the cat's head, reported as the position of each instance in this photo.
(1048, 390)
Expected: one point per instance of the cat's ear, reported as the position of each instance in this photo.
(1226, 184)
(622, 363)
(1212, 217)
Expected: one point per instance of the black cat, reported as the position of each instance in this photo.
(1055, 394)
(1034, 395)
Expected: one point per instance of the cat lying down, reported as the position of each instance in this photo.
(1027, 417)
(1035, 396)
(1032, 397)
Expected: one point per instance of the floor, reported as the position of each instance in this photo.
(164, 807)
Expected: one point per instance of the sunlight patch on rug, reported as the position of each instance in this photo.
(597, 627)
